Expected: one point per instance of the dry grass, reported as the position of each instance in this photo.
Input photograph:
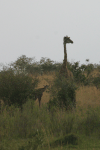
(95, 73)
(88, 96)
(85, 95)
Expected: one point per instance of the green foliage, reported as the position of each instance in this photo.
(15, 88)
(29, 66)
(63, 93)
(48, 65)
(77, 71)
(89, 69)
(81, 73)
(96, 82)
(23, 65)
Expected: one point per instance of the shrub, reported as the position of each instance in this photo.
(89, 69)
(63, 93)
(15, 88)
(96, 82)
(77, 71)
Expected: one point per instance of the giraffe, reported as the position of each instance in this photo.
(39, 92)
(64, 70)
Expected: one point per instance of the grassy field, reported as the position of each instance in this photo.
(39, 129)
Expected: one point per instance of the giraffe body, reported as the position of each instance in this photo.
(39, 92)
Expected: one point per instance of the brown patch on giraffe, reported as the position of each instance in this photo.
(67, 73)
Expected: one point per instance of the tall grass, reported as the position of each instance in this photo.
(36, 128)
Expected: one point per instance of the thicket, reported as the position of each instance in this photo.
(16, 89)
(63, 94)
(81, 73)
(31, 66)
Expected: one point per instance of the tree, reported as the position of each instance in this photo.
(77, 71)
(63, 94)
(47, 64)
(16, 88)
(89, 69)
(22, 64)
(96, 82)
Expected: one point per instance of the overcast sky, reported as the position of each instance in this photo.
(36, 28)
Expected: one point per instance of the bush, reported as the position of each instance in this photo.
(77, 71)
(89, 69)
(63, 93)
(15, 88)
(48, 65)
(96, 82)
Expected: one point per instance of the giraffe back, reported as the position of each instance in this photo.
(39, 92)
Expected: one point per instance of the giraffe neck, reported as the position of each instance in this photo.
(41, 90)
(65, 55)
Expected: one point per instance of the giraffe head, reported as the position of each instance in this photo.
(67, 39)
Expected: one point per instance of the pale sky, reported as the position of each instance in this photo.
(36, 28)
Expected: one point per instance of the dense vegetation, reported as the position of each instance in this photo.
(57, 124)
(16, 88)
(27, 66)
